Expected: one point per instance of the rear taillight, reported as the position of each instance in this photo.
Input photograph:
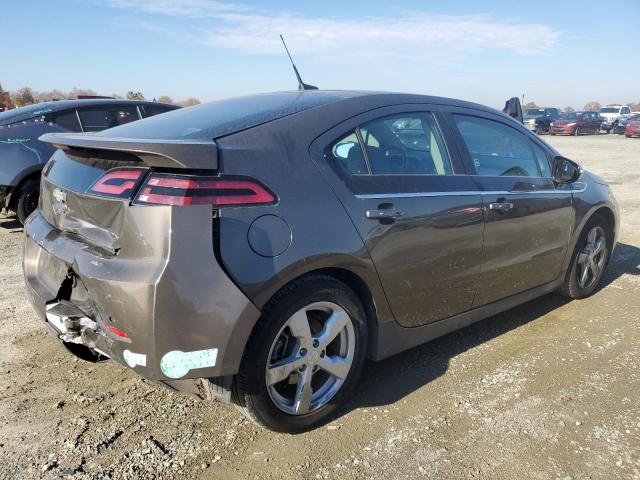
(182, 190)
(119, 183)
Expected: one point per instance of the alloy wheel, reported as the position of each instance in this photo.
(310, 358)
(592, 258)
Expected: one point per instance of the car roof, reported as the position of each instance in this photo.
(224, 117)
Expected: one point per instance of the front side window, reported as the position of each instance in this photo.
(404, 144)
(496, 149)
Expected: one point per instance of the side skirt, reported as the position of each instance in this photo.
(393, 338)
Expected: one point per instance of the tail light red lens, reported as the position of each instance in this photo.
(117, 183)
(182, 190)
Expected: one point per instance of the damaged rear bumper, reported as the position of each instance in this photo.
(172, 315)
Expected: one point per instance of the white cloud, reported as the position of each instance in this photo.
(409, 37)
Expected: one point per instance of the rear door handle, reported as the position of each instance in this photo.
(501, 207)
(384, 214)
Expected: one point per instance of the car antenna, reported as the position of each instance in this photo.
(301, 84)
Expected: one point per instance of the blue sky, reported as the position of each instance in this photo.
(555, 52)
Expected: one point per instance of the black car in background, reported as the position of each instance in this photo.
(539, 119)
(22, 155)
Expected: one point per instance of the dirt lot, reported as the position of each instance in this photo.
(546, 390)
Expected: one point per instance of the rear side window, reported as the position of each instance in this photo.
(348, 153)
(100, 118)
(67, 120)
(496, 149)
(405, 144)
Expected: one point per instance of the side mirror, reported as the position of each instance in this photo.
(565, 171)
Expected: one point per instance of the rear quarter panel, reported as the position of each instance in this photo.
(322, 234)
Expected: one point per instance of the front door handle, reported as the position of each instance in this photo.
(501, 207)
(384, 214)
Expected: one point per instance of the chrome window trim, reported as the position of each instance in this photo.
(463, 193)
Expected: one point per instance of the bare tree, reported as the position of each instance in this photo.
(165, 99)
(592, 107)
(23, 96)
(530, 105)
(634, 106)
(189, 102)
(568, 109)
(54, 94)
(131, 95)
(82, 92)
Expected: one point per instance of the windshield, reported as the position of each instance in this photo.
(609, 110)
(28, 111)
(569, 116)
(535, 112)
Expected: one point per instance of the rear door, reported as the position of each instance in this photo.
(527, 219)
(420, 220)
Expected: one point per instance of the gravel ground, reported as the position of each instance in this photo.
(546, 390)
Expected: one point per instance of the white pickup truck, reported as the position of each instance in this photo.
(611, 115)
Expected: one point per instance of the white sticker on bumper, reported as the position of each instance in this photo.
(176, 364)
(132, 359)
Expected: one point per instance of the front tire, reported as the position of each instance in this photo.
(576, 132)
(305, 354)
(28, 197)
(589, 260)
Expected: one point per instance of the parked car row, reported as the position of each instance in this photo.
(629, 127)
(610, 119)
(22, 155)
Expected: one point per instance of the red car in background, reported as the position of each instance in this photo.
(633, 127)
(576, 123)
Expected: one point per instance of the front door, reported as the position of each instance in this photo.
(420, 222)
(527, 219)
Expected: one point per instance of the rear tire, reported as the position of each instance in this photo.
(28, 197)
(576, 132)
(275, 397)
(589, 260)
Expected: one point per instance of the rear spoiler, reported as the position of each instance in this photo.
(196, 154)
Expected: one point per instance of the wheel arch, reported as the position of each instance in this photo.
(608, 214)
(362, 291)
(13, 199)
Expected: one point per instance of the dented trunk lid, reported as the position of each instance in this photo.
(65, 201)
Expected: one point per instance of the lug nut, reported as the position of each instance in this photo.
(303, 351)
(322, 354)
(316, 342)
(303, 368)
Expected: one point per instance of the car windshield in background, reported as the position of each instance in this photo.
(26, 112)
(609, 110)
(535, 112)
(223, 117)
(569, 116)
